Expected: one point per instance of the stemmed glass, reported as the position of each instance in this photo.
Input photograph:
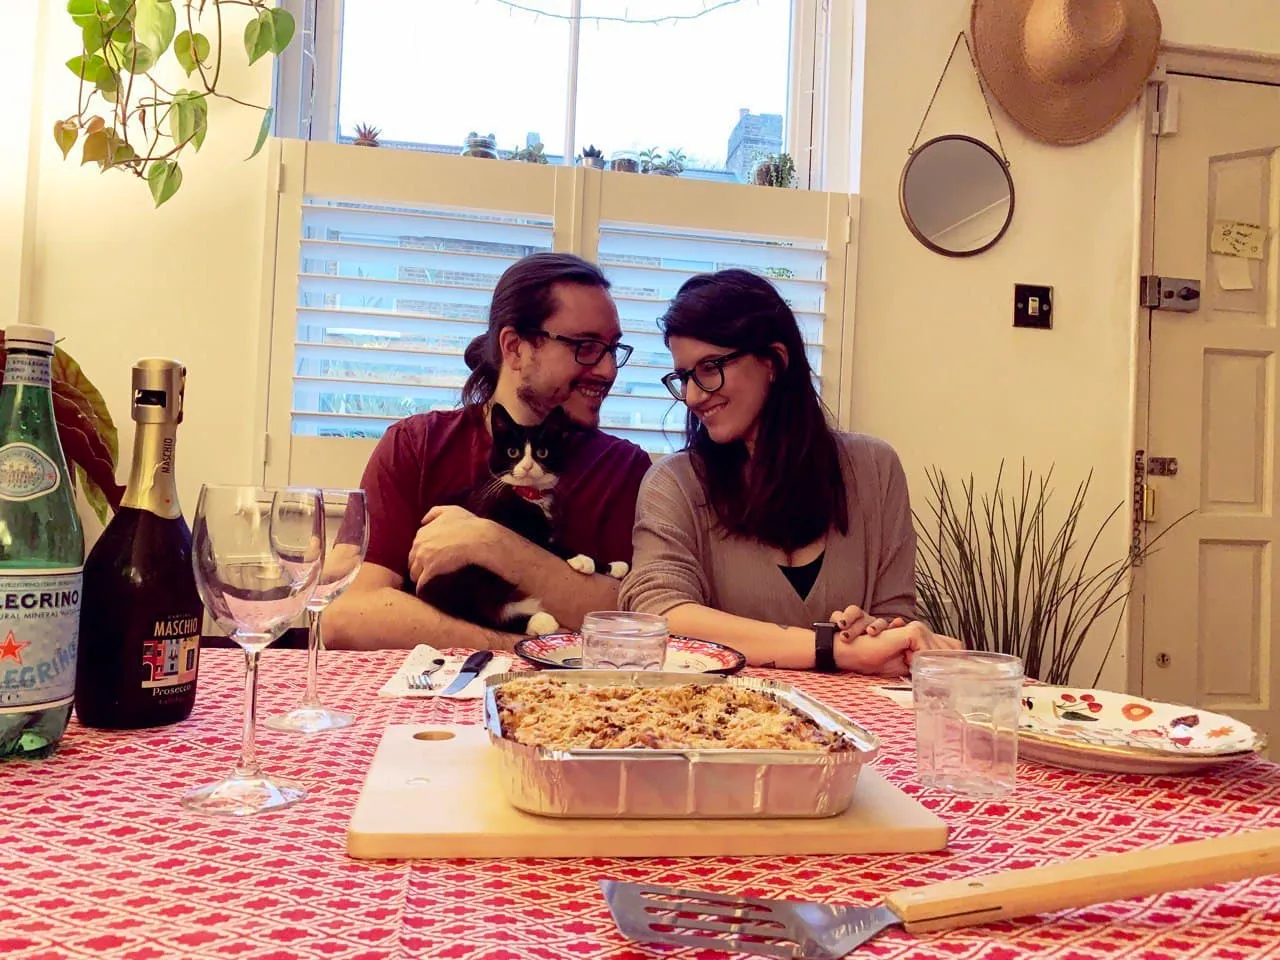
(257, 558)
(346, 510)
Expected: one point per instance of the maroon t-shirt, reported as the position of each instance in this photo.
(431, 459)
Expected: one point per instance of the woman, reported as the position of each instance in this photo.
(770, 521)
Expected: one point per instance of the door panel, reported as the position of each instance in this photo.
(1212, 597)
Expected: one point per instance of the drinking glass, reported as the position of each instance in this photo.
(617, 640)
(257, 558)
(968, 704)
(347, 515)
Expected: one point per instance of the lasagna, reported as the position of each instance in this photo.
(541, 712)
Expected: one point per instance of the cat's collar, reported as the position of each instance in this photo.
(532, 494)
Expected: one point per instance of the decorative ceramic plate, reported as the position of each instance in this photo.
(1101, 730)
(563, 651)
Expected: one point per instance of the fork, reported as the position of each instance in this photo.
(423, 681)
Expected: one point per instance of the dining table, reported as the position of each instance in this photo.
(99, 860)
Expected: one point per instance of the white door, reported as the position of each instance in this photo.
(1212, 601)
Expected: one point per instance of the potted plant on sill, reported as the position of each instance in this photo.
(131, 121)
(649, 159)
(624, 161)
(671, 165)
(484, 147)
(529, 154)
(592, 157)
(997, 572)
(775, 170)
(367, 135)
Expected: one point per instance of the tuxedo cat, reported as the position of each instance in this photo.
(525, 465)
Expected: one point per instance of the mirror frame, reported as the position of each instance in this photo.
(906, 216)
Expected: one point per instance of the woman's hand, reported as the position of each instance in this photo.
(888, 652)
(855, 621)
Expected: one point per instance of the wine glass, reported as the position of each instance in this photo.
(257, 558)
(346, 511)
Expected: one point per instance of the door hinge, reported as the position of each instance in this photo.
(266, 449)
(1178, 294)
(1166, 101)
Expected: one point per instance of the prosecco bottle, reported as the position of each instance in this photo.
(140, 625)
(41, 554)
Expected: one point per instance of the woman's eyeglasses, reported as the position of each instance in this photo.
(707, 374)
(587, 351)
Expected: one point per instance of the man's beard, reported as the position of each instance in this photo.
(537, 402)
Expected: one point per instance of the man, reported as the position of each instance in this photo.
(553, 340)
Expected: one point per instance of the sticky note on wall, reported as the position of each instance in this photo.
(1235, 238)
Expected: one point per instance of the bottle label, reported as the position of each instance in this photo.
(25, 368)
(39, 628)
(27, 472)
(171, 655)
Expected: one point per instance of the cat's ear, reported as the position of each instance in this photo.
(500, 421)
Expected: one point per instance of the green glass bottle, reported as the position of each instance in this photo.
(41, 555)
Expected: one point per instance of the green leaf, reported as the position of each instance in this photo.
(107, 82)
(86, 68)
(153, 24)
(164, 178)
(263, 132)
(191, 50)
(259, 36)
(282, 29)
(65, 133)
(92, 34)
(118, 152)
(188, 117)
(202, 120)
(95, 148)
(119, 8)
(138, 58)
(85, 12)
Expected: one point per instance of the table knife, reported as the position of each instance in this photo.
(470, 670)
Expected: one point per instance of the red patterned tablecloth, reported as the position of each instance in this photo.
(97, 859)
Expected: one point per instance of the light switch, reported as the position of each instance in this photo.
(1032, 306)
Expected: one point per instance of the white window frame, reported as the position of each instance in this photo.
(824, 87)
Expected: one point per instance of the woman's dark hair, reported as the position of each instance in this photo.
(792, 491)
(523, 298)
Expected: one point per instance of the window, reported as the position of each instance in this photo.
(712, 84)
(385, 262)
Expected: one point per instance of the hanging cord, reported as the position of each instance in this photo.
(962, 36)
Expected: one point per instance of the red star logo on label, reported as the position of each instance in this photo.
(11, 649)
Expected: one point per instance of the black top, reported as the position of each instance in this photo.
(803, 578)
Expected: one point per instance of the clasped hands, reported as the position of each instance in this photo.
(876, 645)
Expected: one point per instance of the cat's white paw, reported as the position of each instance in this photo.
(583, 564)
(618, 569)
(540, 623)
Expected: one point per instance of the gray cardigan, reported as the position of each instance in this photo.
(682, 555)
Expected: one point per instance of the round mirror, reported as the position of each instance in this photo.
(956, 196)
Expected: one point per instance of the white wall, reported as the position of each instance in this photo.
(17, 115)
(120, 279)
(939, 370)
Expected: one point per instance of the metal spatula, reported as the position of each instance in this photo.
(796, 929)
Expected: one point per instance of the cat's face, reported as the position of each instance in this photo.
(528, 458)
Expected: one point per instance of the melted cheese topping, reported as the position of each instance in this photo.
(548, 713)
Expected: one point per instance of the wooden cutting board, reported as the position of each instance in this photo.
(434, 792)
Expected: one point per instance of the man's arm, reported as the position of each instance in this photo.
(375, 613)
(566, 594)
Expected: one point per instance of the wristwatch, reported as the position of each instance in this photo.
(824, 647)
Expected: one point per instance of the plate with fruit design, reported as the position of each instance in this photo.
(1103, 730)
(563, 651)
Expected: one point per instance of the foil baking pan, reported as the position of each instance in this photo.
(657, 784)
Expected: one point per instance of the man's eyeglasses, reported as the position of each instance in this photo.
(707, 374)
(589, 351)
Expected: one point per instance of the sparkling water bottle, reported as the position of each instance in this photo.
(41, 555)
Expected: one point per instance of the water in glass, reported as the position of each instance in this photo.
(967, 707)
(617, 640)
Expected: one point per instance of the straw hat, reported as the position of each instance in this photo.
(1065, 70)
